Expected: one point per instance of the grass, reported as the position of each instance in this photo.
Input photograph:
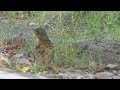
(93, 25)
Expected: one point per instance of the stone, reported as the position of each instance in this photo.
(116, 77)
(79, 77)
(73, 76)
(89, 76)
(77, 71)
(103, 75)
(114, 72)
(24, 61)
(111, 66)
(18, 55)
(63, 75)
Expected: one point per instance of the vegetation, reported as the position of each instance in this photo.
(70, 27)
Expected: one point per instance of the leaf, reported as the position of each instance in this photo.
(24, 69)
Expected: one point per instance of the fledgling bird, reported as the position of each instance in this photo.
(44, 51)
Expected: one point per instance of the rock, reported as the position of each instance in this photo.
(77, 71)
(67, 75)
(116, 77)
(118, 72)
(42, 77)
(89, 76)
(73, 76)
(103, 75)
(52, 76)
(107, 52)
(63, 75)
(24, 61)
(114, 72)
(111, 66)
(79, 77)
(20, 55)
(70, 75)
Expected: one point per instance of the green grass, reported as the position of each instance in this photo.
(94, 25)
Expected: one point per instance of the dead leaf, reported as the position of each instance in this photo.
(24, 69)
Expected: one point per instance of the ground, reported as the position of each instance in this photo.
(91, 59)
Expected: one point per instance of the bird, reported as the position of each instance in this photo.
(44, 50)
